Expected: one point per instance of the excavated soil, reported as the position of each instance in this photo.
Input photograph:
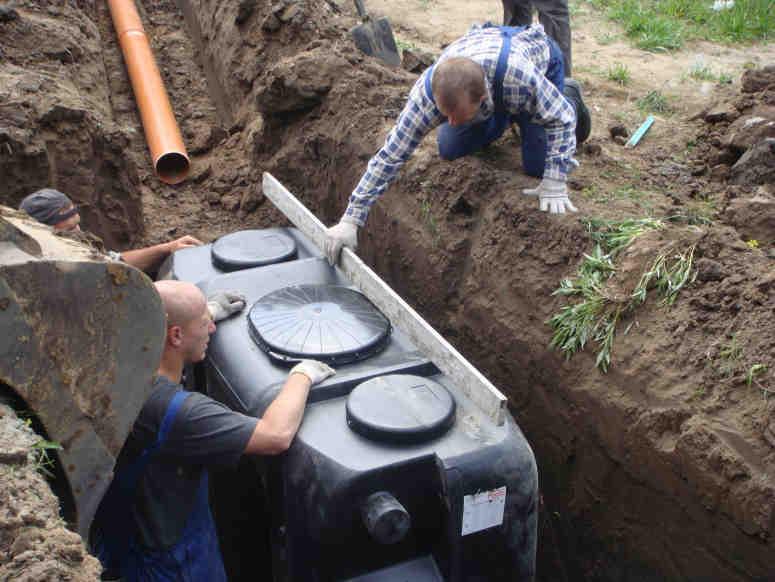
(35, 544)
(661, 469)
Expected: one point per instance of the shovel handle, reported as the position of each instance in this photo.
(361, 9)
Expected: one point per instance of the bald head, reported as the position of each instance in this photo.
(457, 81)
(183, 302)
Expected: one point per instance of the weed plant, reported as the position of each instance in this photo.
(595, 315)
(607, 38)
(701, 72)
(403, 45)
(654, 102)
(44, 463)
(664, 25)
(620, 74)
(430, 221)
(751, 378)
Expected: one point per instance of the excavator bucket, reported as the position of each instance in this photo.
(81, 338)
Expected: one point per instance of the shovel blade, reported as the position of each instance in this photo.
(375, 39)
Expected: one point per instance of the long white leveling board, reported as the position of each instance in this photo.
(478, 388)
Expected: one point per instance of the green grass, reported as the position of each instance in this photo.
(665, 25)
(403, 45)
(654, 102)
(44, 463)
(607, 38)
(428, 218)
(632, 193)
(619, 73)
(701, 72)
(753, 372)
(696, 215)
(594, 316)
(752, 379)
(729, 356)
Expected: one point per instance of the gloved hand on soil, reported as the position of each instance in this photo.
(314, 370)
(553, 196)
(344, 234)
(222, 304)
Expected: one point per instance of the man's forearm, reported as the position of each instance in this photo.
(148, 258)
(275, 430)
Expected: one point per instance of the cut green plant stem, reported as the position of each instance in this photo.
(594, 316)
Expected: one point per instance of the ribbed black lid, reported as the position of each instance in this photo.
(322, 322)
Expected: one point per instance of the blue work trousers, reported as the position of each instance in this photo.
(462, 140)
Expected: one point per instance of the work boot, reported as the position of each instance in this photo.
(572, 92)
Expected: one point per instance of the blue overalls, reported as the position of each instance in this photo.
(194, 558)
(459, 141)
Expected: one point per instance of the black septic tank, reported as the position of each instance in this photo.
(395, 474)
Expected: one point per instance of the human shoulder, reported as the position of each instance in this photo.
(161, 395)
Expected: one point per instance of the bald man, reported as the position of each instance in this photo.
(154, 524)
(481, 84)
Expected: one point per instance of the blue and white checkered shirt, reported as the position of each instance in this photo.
(525, 89)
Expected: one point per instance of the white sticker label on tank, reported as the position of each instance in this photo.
(483, 510)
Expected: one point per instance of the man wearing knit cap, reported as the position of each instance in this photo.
(55, 209)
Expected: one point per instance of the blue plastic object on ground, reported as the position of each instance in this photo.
(636, 137)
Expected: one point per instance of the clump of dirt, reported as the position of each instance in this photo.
(738, 148)
(34, 542)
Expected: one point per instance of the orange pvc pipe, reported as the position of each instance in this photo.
(170, 159)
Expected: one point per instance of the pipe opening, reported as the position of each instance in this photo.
(172, 167)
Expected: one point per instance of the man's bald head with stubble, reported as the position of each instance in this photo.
(189, 324)
(182, 301)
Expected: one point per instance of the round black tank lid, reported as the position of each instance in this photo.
(400, 408)
(252, 248)
(337, 325)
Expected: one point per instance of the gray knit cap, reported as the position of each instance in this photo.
(48, 206)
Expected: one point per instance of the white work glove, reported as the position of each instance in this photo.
(222, 304)
(314, 370)
(344, 234)
(553, 196)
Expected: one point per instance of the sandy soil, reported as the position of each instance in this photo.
(661, 469)
(35, 544)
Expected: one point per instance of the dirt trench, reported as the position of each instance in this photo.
(661, 469)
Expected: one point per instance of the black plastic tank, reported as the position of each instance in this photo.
(394, 474)
(244, 249)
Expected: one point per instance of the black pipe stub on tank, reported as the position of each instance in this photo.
(337, 325)
(252, 248)
(400, 408)
(385, 518)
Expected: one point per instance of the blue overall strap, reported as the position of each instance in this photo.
(500, 69)
(428, 89)
(114, 533)
(127, 479)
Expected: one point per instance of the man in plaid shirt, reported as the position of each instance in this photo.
(483, 82)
